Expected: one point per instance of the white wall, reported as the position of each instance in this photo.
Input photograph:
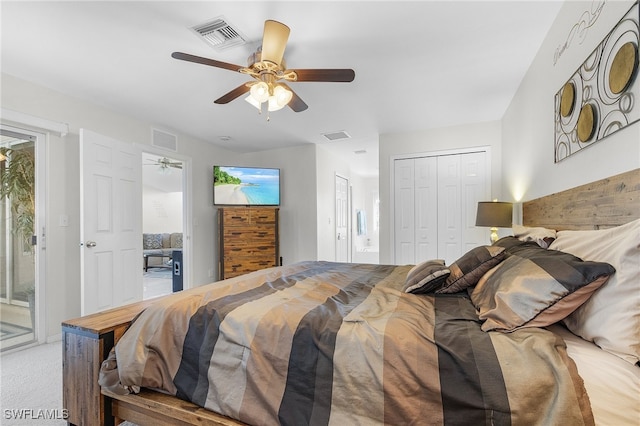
(327, 166)
(298, 236)
(161, 211)
(442, 139)
(62, 192)
(298, 211)
(528, 164)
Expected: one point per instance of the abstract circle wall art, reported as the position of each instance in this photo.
(602, 96)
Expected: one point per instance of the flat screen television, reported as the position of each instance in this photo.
(246, 186)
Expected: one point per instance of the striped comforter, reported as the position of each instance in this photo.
(331, 343)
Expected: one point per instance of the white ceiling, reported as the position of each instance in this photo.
(418, 64)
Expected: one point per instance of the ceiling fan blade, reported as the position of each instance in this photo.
(205, 61)
(238, 91)
(296, 104)
(274, 41)
(332, 75)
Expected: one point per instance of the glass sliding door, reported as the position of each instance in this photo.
(18, 254)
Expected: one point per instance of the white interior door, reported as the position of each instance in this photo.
(476, 186)
(404, 204)
(449, 212)
(426, 213)
(435, 200)
(342, 219)
(111, 223)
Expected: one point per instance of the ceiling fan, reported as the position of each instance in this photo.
(164, 164)
(268, 68)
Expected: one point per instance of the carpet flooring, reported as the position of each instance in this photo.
(31, 387)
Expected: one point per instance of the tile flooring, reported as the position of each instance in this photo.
(157, 282)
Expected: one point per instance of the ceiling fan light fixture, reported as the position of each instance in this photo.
(274, 105)
(260, 92)
(281, 95)
(251, 100)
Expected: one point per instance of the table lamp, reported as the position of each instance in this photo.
(494, 214)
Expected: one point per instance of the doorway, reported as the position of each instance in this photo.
(21, 209)
(162, 223)
(342, 219)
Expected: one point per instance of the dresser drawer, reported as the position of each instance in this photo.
(240, 218)
(248, 240)
(239, 266)
(237, 237)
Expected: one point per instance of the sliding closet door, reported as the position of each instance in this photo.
(426, 213)
(462, 182)
(404, 202)
(416, 224)
(449, 214)
(435, 201)
(475, 187)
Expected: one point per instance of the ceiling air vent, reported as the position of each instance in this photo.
(164, 140)
(334, 136)
(219, 33)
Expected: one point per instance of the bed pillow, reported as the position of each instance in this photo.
(151, 241)
(542, 236)
(535, 287)
(611, 317)
(466, 271)
(425, 277)
(510, 242)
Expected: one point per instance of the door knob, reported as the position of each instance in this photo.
(91, 244)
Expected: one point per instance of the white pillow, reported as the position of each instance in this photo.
(611, 317)
(540, 235)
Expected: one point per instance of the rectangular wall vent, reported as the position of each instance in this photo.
(219, 33)
(164, 140)
(334, 136)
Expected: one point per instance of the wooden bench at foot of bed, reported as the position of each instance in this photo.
(86, 343)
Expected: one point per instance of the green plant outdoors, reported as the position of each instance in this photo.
(17, 184)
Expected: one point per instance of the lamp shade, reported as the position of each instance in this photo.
(495, 214)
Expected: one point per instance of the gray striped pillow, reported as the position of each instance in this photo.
(466, 271)
(536, 287)
(426, 277)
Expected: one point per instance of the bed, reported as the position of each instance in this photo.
(491, 339)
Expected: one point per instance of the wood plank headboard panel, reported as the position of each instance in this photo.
(601, 204)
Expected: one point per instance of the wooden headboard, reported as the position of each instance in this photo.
(601, 204)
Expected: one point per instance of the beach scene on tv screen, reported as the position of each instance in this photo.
(246, 186)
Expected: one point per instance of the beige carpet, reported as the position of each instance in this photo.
(31, 386)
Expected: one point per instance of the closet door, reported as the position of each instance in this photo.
(416, 213)
(435, 202)
(449, 208)
(476, 186)
(404, 202)
(426, 210)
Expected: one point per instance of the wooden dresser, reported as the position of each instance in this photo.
(248, 240)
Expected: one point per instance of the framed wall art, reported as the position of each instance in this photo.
(602, 96)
